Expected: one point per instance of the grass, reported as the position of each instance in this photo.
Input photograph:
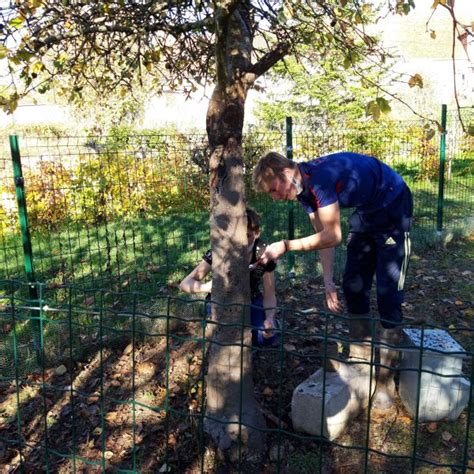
(145, 254)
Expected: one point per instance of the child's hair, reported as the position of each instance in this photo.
(268, 167)
(253, 219)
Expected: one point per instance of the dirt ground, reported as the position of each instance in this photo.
(98, 429)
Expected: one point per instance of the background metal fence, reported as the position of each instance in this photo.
(127, 210)
(94, 353)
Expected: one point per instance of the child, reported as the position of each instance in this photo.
(262, 313)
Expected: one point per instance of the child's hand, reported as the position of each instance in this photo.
(269, 325)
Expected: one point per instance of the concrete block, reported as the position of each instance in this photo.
(444, 392)
(346, 395)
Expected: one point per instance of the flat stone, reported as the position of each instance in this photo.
(444, 392)
(328, 412)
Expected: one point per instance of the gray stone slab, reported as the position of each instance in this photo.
(328, 413)
(444, 392)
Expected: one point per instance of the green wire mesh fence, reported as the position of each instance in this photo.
(132, 211)
(102, 369)
(116, 381)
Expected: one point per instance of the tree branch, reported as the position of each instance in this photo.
(270, 59)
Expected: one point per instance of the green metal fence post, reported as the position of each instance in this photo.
(291, 207)
(25, 234)
(442, 162)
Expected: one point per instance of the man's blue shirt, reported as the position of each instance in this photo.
(353, 179)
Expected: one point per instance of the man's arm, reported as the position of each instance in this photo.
(327, 262)
(329, 236)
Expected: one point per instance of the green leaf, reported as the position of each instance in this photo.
(36, 67)
(3, 52)
(347, 61)
(24, 55)
(383, 105)
(17, 22)
(470, 130)
(373, 109)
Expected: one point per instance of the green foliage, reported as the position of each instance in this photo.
(427, 149)
(8, 211)
(102, 47)
(48, 189)
(124, 177)
(321, 94)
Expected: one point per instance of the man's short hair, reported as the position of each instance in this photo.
(270, 166)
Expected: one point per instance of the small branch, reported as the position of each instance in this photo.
(453, 60)
(394, 96)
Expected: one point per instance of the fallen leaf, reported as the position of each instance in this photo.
(274, 419)
(97, 431)
(289, 347)
(404, 419)
(458, 302)
(432, 427)
(108, 455)
(193, 405)
(111, 416)
(172, 440)
(469, 312)
(146, 368)
(61, 370)
(447, 436)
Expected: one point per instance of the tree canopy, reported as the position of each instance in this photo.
(112, 44)
(109, 44)
(325, 94)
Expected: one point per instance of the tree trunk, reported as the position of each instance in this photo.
(233, 418)
(231, 405)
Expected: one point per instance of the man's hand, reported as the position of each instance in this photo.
(332, 299)
(272, 252)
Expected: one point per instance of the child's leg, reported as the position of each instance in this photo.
(257, 318)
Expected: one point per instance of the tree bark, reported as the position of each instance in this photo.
(233, 418)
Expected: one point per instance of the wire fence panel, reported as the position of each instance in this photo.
(117, 382)
(132, 211)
